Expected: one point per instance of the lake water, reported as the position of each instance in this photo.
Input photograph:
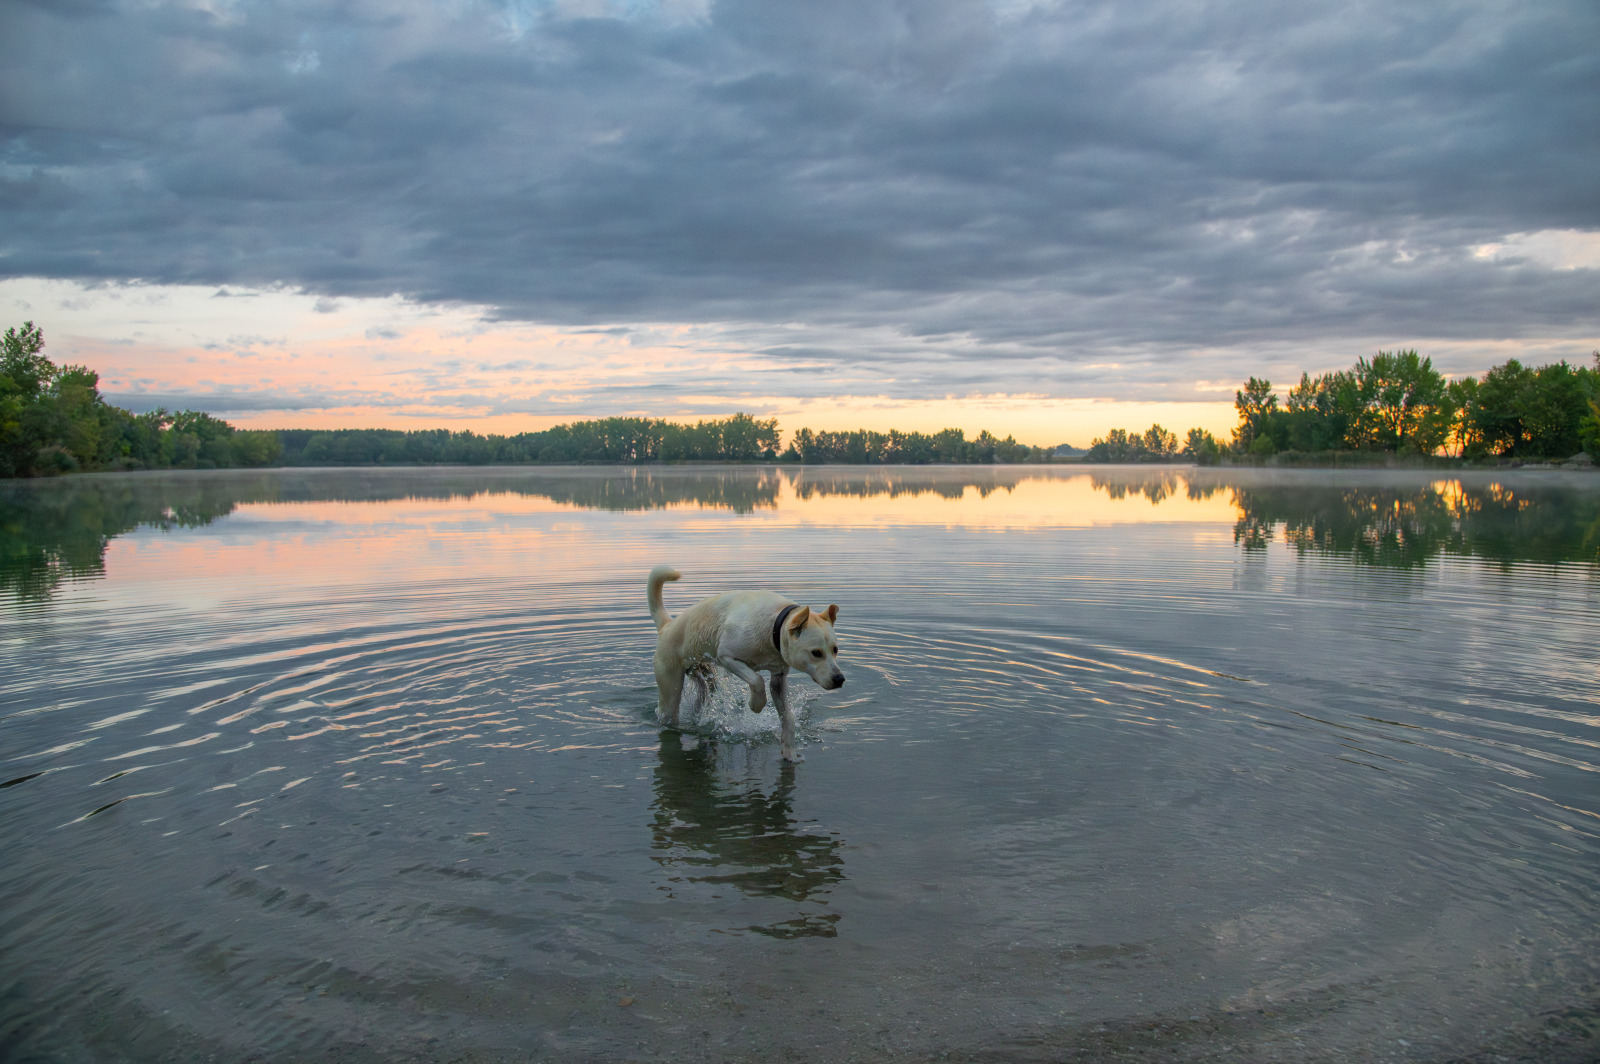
(1134, 765)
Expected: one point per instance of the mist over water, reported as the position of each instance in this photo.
(363, 764)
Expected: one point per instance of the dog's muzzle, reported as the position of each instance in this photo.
(836, 681)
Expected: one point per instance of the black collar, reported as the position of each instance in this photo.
(777, 625)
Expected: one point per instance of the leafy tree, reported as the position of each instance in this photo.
(1589, 431)
(1155, 444)
(1518, 412)
(1256, 403)
(1321, 414)
(1117, 446)
(1405, 403)
(1496, 412)
(1463, 429)
(24, 371)
(54, 420)
(1554, 410)
(1160, 444)
(24, 374)
(866, 447)
(1201, 448)
(1397, 402)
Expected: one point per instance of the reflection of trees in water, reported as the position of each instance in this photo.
(739, 490)
(950, 483)
(1405, 526)
(1394, 524)
(1157, 485)
(57, 530)
(709, 829)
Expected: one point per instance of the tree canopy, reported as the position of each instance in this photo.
(54, 420)
(1397, 403)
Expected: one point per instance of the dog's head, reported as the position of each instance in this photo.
(809, 645)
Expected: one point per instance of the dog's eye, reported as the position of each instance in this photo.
(835, 651)
(816, 653)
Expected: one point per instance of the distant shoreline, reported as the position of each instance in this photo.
(1350, 461)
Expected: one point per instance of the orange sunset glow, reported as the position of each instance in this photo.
(406, 534)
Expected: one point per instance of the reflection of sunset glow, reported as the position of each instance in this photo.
(812, 496)
(1045, 501)
(201, 539)
(1450, 492)
(336, 542)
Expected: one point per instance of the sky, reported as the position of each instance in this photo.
(1043, 219)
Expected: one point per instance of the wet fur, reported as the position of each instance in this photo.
(734, 630)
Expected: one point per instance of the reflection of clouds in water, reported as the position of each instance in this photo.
(711, 829)
(55, 532)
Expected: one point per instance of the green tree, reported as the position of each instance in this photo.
(1201, 448)
(1321, 413)
(1256, 403)
(24, 375)
(1155, 444)
(1464, 432)
(1496, 411)
(1405, 403)
(24, 370)
(1589, 431)
(1518, 412)
(1554, 409)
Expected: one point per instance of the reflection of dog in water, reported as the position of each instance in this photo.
(709, 829)
(745, 632)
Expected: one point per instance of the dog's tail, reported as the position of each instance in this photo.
(658, 576)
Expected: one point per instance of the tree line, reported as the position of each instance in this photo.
(737, 438)
(865, 447)
(54, 420)
(1395, 403)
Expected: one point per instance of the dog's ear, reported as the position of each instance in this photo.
(832, 611)
(798, 619)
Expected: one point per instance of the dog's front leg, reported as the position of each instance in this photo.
(780, 695)
(758, 690)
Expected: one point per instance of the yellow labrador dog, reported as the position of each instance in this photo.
(745, 632)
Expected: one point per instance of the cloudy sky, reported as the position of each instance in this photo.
(1038, 217)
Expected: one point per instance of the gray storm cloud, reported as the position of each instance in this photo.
(983, 195)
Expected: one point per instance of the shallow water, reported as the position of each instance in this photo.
(1131, 764)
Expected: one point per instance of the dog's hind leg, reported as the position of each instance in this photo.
(703, 680)
(780, 695)
(669, 686)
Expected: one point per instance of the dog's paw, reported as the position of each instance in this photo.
(793, 756)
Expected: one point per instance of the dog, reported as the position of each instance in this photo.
(745, 632)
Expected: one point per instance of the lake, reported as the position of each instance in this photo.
(1132, 764)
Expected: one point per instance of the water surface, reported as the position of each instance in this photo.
(1132, 764)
